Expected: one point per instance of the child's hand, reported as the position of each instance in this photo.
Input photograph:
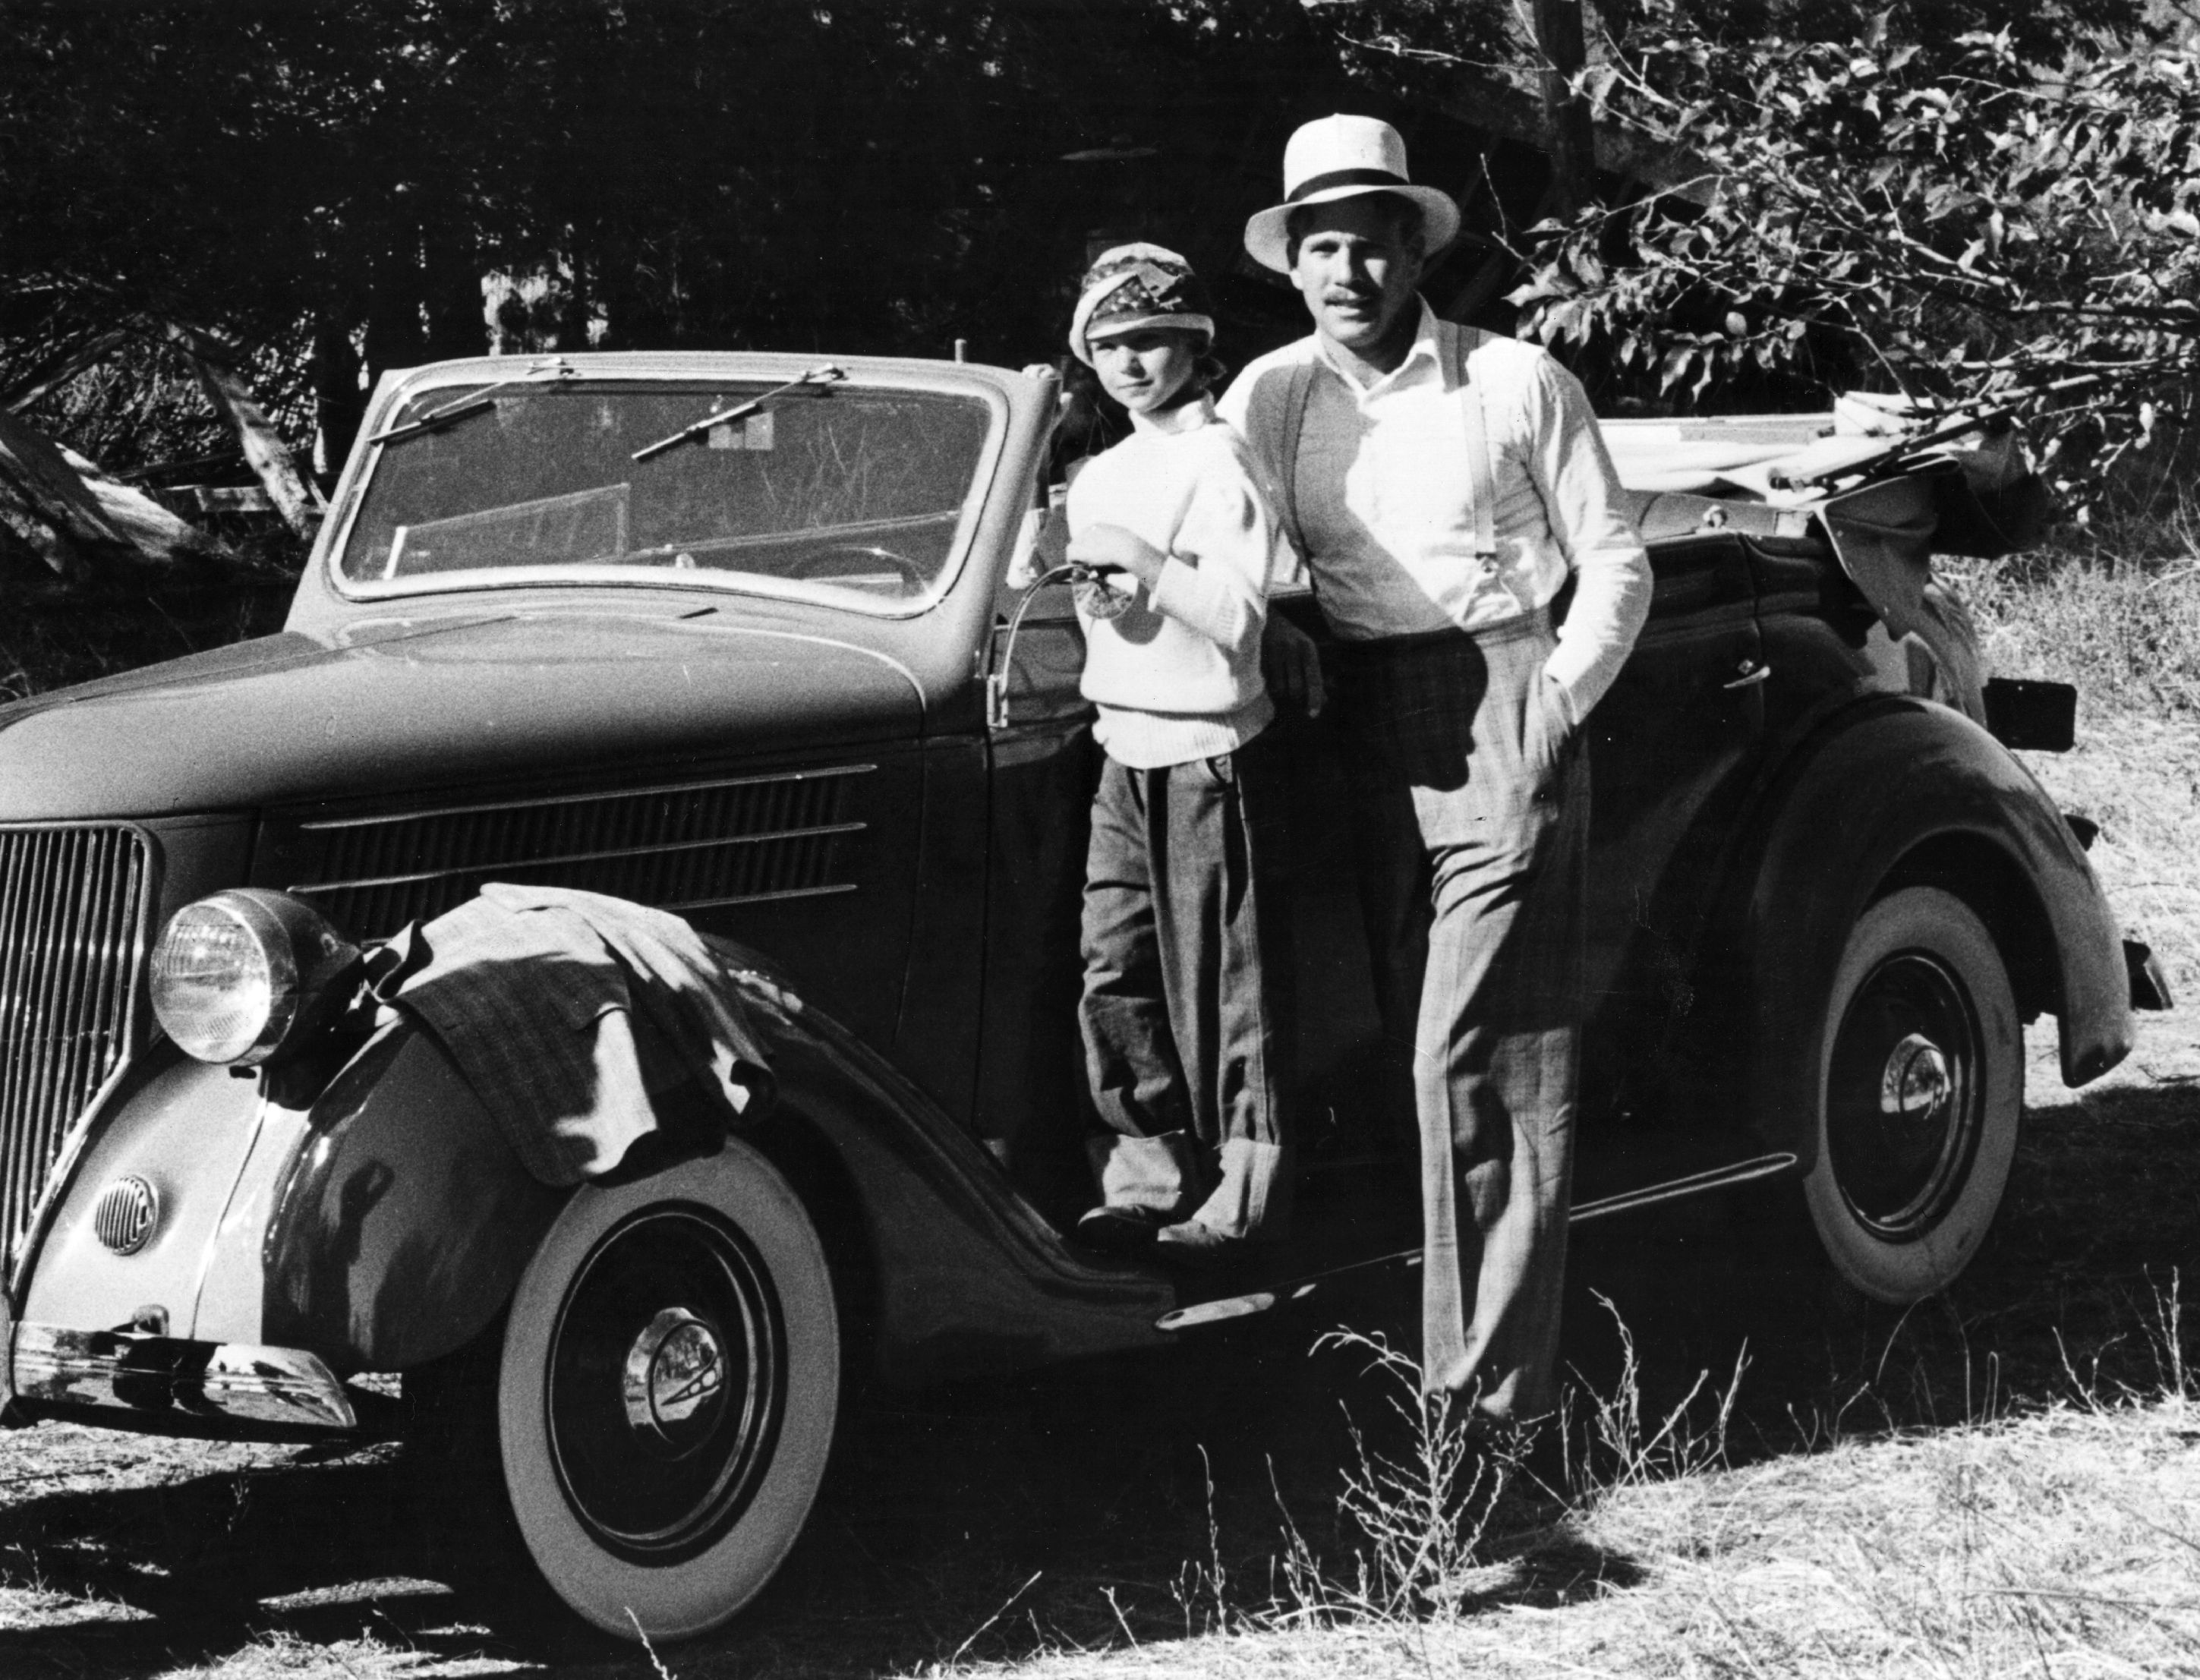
(1111, 548)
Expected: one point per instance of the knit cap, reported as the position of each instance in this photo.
(1133, 286)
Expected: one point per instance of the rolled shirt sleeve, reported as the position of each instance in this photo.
(1581, 498)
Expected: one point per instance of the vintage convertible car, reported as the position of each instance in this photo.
(756, 642)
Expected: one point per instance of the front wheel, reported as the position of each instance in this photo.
(651, 1432)
(1920, 1085)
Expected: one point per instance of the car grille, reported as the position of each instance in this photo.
(74, 903)
(680, 848)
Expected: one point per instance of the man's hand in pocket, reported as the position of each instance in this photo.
(1293, 664)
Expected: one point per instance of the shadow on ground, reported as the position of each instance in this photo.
(1130, 1500)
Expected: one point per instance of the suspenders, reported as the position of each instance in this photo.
(1482, 469)
(1457, 343)
(1295, 406)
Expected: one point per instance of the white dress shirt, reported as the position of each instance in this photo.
(1381, 488)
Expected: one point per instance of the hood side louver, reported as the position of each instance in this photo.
(684, 847)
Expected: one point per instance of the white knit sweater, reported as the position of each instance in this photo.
(1177, 676)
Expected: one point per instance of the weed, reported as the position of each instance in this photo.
(953, 1664)
(648, 1649)
(1422, 1507)
(1615, 1451)
(1442, 1512)
(2165, 1334)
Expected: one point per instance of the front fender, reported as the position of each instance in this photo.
(404, 1220)
(401, 1222)
(185, 1131)
(386, 1223)
(961, 1276)
(381, 1225)
(1897, 791)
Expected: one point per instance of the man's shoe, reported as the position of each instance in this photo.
(1126, 1231)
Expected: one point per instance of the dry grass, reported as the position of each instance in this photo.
(2117, 613)
(2138, 776)
(2127, 634)
(2063, 1543)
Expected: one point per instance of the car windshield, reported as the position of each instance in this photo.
(854, 495)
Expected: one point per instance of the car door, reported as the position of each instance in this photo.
(1672, 748)
(1031, 1108)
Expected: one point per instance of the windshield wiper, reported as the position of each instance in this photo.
(479, 403)
(741, 411)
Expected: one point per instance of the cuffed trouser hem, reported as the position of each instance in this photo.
(1254, 1194)
(1187, 983)
(1157, 1175)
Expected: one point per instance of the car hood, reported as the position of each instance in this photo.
(413, 706)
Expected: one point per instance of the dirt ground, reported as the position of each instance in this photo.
(1114, 1515)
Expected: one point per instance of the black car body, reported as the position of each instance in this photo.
(786, 676)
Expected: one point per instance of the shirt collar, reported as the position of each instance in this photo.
(1185, 416)
(1424, 360)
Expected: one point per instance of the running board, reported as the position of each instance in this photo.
(1256, 1301)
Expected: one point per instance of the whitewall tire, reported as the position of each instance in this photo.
(1920, 1087)
(667, 1393)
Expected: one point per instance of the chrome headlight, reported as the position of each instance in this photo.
(235, 976)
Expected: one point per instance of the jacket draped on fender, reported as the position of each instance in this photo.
(584, 1023)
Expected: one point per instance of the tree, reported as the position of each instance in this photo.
(327, 184)
(1966, 227)
(2038, 30)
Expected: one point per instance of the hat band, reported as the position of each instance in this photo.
(1380, 178)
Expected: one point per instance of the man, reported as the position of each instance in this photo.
(1443, 486)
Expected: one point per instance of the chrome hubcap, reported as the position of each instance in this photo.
(675, 1379)
(1916, 1082)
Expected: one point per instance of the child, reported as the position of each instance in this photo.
(1186, 963)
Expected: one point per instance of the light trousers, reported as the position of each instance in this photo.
(1472, 832)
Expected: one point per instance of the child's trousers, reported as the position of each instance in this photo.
(1187, 988)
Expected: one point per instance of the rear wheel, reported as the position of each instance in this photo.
(647, 1440)
(1920, 1086)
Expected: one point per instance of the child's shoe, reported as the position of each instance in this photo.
(1110, 1229)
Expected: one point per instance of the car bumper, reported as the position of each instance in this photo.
(140, 1379)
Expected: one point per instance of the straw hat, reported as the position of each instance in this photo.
(1343, 157)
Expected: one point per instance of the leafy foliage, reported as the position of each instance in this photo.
(331, 182)
(2038, 30)
(1963, 226)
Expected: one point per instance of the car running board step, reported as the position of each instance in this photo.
(1226, 1307)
